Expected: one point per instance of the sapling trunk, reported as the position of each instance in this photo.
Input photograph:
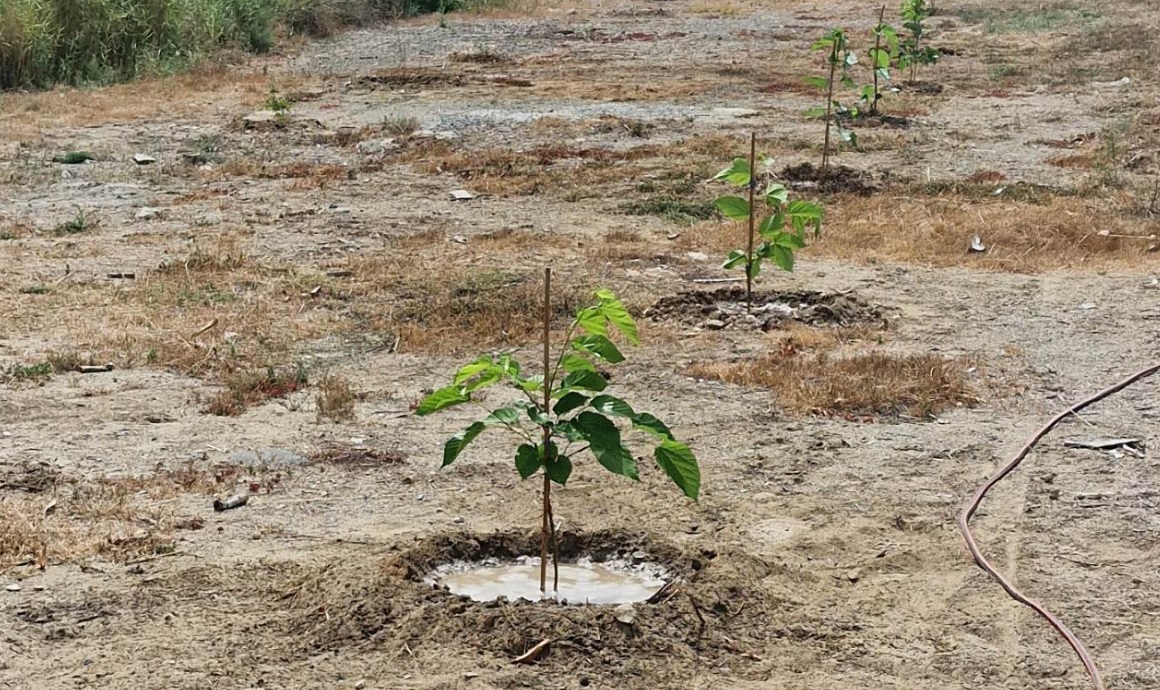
(749, 258)
(874, 57)
(834, 55)
(547, 507)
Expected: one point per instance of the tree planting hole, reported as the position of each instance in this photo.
(727, 308)
(583, 582)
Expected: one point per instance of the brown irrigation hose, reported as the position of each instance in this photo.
(973, 505)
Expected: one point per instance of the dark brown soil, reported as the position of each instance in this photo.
(726, 307)
(929, 88)
(838, 179)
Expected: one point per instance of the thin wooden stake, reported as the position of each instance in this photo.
(547, 507)
(752, 188)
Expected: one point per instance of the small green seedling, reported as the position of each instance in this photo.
(777, 242)
(911, 51)
(278, 104)
(884, 53)
(79, 223)
(566, 410)
(839, 60)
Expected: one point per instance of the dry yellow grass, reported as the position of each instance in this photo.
(1020, 236)
(460, 308)
(212, 313)
(1043, 233)
(52, 520)
(870, 384)
(335, 399)
(26, 116)
(568, 170)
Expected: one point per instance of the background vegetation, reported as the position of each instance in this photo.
(46, 42)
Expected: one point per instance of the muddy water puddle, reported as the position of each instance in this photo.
(583, 582)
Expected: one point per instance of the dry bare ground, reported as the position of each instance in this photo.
(274, 294)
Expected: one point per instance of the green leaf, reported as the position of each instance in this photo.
(568, 431)
(790, 240)
(613, 310)
(591, 320)
(584, 379)
(783, 257)
(600, 346)
(646, 422)
(738, 173)
(776, 194)
(531, 384)
(569, 402)
(822, 43)
(509, 366)
(571, 362)
(559, 469)
(457, 443)
(505, 415)
(604, 441)
(764, 250)
(803, 214)
(817, 82)
(733, 207)
(509, 416)
(469, 371)
(528, 460)
(679, 463)
(736, 258)
(533, 411)
(441, 400)
(880, 58)
(816, 112)
(607, 404)
(771, 225)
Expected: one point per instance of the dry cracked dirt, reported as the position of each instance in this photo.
(275, 292)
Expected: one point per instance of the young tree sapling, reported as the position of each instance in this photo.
(565, 410)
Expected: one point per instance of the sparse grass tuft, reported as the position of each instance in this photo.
(81, 222)
(27, 373)
(877, 384)
(335, 399)
(249, 388)
(671, 209)
(400, 125)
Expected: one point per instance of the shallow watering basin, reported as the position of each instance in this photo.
(583, 582)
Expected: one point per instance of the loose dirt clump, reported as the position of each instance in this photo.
(718, 606)
(29, 477)
(726, 308)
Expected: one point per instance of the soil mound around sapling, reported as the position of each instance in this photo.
(726, 308)
(928, 88)
(716, 608)
(838, 179)
(876, 121)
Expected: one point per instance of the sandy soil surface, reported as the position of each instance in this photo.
(823, 552)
